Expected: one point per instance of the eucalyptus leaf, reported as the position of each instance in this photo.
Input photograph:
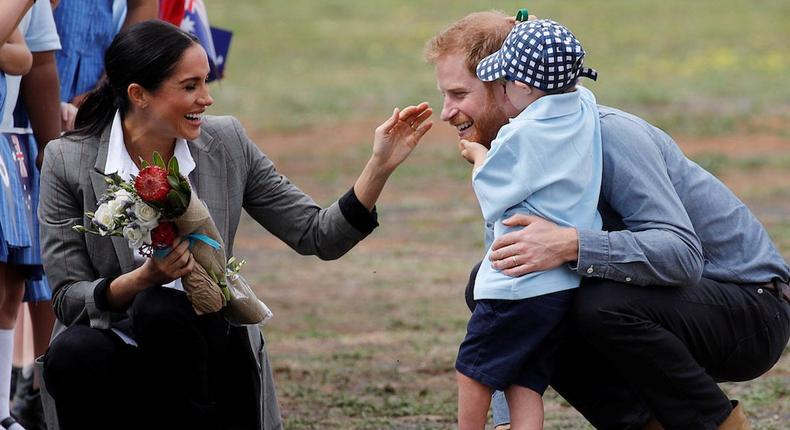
(172, 166)
(158, 161)
(177, 199)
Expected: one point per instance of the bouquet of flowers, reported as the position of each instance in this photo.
(154, 208)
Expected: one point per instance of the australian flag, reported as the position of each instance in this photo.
(191, 16)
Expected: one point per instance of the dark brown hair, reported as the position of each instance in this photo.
(145, 53)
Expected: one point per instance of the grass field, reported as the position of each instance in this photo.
(369, 341)
(698, 66)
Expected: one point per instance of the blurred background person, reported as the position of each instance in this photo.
(86, 28)
(31, 118)
(16, 241)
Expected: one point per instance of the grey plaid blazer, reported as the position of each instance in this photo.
(231, 173)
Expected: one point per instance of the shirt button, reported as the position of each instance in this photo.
(759, 291)
(627, 279)
(590, 270)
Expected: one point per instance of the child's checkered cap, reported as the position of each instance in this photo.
(540, 53)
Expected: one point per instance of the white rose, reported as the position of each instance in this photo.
(147, 215)
(136, 235)
(116, 207)
(104, 219)
(124, 196)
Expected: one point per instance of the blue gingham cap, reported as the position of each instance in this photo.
(541, 53)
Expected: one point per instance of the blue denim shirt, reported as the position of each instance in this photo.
(666, 220)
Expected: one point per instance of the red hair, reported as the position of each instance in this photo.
(476, 36)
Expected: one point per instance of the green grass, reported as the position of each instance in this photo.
(694, 67)
(780, 233)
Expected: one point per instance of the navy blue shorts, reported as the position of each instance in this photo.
(514, 342)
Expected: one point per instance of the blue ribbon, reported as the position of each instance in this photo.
(160, 253)
(203, 238)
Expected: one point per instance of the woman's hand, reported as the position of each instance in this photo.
(178, 263)
(155, 271)
(473, 152)
(398, 136)
(393, 142)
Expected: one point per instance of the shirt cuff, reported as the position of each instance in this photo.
(593, 259)
(357, 214)
(100, 295)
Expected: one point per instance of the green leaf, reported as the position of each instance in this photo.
(158, 161)
(172, 167)
(173, 182)
(143, 163)
(183, 187)
(177, 199)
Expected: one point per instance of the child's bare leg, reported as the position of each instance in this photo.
(13, 288)
(526, 408)
(473, 401)
(19, 338)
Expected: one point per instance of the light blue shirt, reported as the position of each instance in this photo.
(545, 162)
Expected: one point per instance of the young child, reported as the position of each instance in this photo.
(545, 162)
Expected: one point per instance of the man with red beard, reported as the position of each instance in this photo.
(681, 289)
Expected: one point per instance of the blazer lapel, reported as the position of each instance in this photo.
(99, 182)
(210, 178)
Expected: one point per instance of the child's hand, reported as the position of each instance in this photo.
(473, 152)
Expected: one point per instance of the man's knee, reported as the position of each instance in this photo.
(595, 305)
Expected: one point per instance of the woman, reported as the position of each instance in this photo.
(187, 371)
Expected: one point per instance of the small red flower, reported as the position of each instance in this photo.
(151, 184)
(164, 235)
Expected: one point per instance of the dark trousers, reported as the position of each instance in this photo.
(638, 352)
(189, 371)
(632, 353)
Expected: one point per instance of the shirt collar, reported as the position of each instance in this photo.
(553, 106)
(119, 161)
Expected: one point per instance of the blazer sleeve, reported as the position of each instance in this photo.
(290, 214)
(67, 263)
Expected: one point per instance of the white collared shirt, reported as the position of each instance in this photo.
(119, 161)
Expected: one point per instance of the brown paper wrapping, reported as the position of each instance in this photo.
(203, 292)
